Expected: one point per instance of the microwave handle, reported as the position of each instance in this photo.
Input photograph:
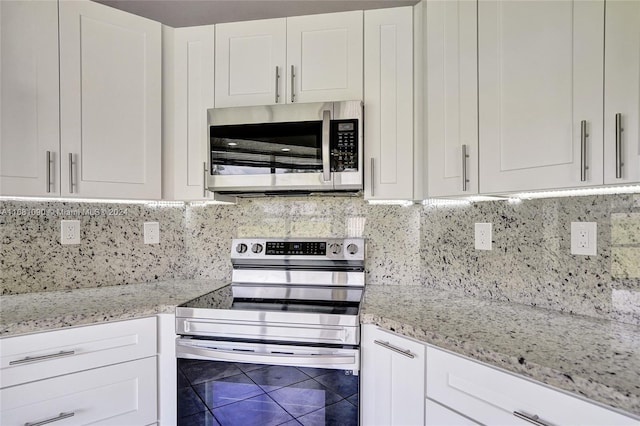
(326, 145)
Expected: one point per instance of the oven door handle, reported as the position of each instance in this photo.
(264, 358)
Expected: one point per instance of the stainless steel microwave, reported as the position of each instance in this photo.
(313, 147)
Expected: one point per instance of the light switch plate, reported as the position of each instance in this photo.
(584, 238)
(151, 233)
(69, 232)
(483, 236)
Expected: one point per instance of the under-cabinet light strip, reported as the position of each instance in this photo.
(150, 203)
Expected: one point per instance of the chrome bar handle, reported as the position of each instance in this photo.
(48, 171)
(372, 176)
(293, 83)
(619, 131)
(386, 345)
(531, 419)
(70, 173)
(277, 84)
(204, 179)
(326, 154)
(41, 357)
(465, 155)
(583, 150)
(60, 416)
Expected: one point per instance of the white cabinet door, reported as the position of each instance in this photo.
(250, 63)
(29, 130)
(121, 394)
(324, 57)
(188, 84)
(110, 102)
(393, 379)
(452, 97)
(622, 92)
(388, 98)
(540, 76)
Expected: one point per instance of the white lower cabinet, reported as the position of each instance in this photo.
(493, 397)
(393, 378)
(119, 395)
(105, 373)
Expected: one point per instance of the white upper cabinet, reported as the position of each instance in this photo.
(29, 130)
(451, 97)
(250, 63)
(301, 59)
(389, 103)
(324, 57)
(110, 102)
(622, 92)
(188, 69)
(540, 94)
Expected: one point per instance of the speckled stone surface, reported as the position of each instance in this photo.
(111, 249)
(391, 232)
(33, 312)
(595, 358)
(531, 261)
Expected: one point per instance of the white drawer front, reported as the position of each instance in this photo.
(118, 395)
(437, 415)
(48, 354)
(491, 397)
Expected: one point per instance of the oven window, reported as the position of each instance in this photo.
(227, 393)
(268, 148)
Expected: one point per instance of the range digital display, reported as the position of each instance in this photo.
(298, 248)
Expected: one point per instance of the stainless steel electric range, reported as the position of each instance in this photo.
(279, 344)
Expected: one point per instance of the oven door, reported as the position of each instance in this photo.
(260, 384)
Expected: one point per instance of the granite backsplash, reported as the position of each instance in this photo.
(433, 245)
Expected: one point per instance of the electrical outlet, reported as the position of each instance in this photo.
(483, 236)
(151, 233)
(69, 232)
(584, 238)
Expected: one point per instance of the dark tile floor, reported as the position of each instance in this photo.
(212, 393)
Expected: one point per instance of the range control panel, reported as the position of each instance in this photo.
(290, 248)
(313, 249)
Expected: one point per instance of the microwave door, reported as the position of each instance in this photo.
(267, 157)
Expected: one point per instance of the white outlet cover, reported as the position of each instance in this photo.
(483, 236)
(584, 238)
(69, 232)
(151, 233)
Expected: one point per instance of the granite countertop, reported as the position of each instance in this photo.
(598, 359)
(32, 312)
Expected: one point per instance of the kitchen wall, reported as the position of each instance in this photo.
(433, 246)
(111, 250)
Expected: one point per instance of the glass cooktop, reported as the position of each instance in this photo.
(223, 299)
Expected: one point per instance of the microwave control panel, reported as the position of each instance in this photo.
(344, 145)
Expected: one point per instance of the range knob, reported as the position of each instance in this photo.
(335, 248)
(352, 249)
(256, 248)
(241, 248)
